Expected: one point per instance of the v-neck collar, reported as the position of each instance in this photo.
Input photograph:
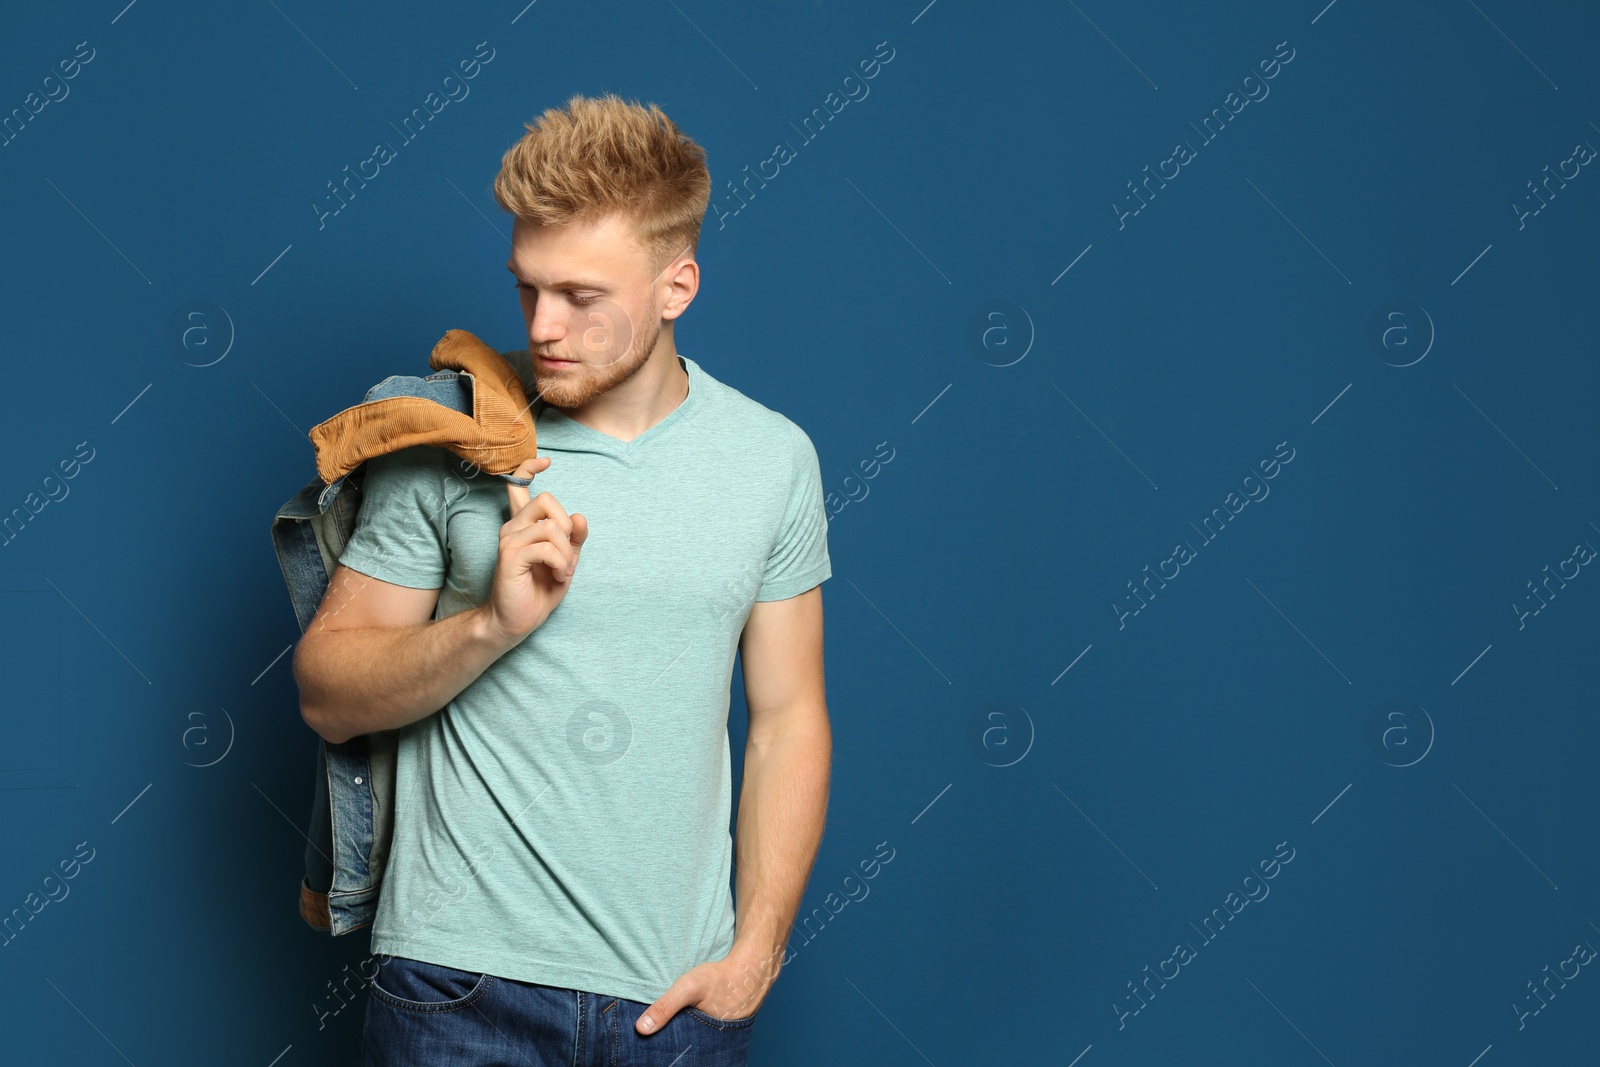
(558, 431)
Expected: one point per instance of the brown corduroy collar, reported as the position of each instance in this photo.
(498, 437)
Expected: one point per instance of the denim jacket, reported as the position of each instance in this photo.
(352, 812)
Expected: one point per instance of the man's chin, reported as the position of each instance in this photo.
(560, 394)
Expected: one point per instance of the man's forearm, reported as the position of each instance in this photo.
(782, 807)
(355, 681)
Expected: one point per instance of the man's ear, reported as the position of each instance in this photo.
(685, 283)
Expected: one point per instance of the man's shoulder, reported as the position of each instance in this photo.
(420, 470)
(763, 425)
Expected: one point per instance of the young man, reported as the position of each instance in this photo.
(558, 658)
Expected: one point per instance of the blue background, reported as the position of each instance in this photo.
(1068, 790)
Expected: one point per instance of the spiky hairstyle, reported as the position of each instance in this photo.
(599, 155)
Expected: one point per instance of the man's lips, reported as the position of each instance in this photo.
(554, 362)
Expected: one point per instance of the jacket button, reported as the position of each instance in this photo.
(358, 779)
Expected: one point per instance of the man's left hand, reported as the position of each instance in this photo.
(729, 988)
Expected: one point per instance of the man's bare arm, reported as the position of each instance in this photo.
(783, 800)
(782, 806)
(373, 657)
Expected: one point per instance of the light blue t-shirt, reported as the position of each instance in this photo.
(565, 819)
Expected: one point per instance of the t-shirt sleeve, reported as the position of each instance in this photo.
(399, 536)
(799, 560)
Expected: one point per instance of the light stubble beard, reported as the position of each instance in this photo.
(578, 385)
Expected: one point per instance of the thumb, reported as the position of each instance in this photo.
(666, 1006)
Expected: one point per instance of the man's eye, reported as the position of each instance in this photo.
(579, 300)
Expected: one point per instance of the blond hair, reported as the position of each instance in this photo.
(599, 155)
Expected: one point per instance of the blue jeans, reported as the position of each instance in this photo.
(429, 1015)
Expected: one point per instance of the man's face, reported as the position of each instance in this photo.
(591, 309)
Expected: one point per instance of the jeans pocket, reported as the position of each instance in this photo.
(721, 1024)
(419, 986)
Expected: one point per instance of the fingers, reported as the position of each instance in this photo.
(540, 541)
(541, 521)
(545, 506)
(546, 553)
(580, 532)
(544, 522)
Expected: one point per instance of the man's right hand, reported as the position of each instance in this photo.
(539, 547)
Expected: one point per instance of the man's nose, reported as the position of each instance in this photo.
(548, 322)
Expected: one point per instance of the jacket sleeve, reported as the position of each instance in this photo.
(799, 559)
(399, 536)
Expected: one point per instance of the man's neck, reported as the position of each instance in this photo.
(629, 409)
